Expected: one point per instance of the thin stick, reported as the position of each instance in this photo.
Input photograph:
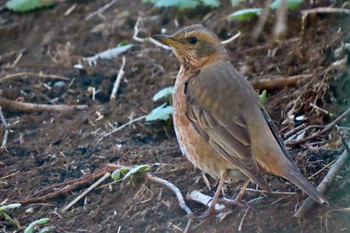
(321, 109)
(292, 131)
(17, 59)
(326, 182)
(321, 10)
(262, 20)
(101, 10)
(262, 191)
(173, 188)
(50, 76)
(136, 38)
(280, 28)
(229, 40)
(319, 133)
(15, 106)
(206, 200)
(188, 226)
(121, 127)
(242, 220)
(118, 80)
(322, 169)
(279, 83)
(76, 183)
(94, 185)
(327, 10)
(8, 176)
(6, 131)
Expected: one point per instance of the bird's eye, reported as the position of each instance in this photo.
(192, 40)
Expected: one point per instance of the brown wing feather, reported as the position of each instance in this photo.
(212, 116)
(275, 133)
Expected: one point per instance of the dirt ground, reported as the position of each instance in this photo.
(49, 148)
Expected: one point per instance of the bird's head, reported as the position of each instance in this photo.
(194, 46)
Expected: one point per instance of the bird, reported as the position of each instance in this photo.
(220, 123)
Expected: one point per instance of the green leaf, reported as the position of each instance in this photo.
(263, 97)
(164, 93)
(245, 14)
(10, 206)
(30, 228)
(161, 112)
(46, 229)
(236, 2)
(180, 4)
(183, 4)
(27, 5)
(211, 3)
(291, 4)
(116, 175)
(140, 168)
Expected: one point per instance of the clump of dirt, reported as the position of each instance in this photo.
(49, 148)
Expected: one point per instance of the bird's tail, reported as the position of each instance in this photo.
(294, 176)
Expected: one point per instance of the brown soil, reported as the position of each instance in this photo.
(49, 148)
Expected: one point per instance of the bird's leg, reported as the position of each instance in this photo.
(214, 201)
(238, 200)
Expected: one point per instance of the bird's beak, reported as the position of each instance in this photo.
(166, 39)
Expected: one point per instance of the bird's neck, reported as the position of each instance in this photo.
(194, 65)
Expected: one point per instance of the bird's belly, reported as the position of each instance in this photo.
(199, 152)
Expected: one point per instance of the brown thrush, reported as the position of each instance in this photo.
(220, 123)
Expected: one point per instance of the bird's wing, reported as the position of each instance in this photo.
(276, 134)
(215, 97)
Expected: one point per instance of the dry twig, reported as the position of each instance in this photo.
(118, 80)
(105, 173)
(6, 131)
(15, 106)
(121, 127)
(279, 83)
(101, 10)
(280, 28)
(319, 133)
(262, 20)
(72, 185)
(173, 188)
(155, 42)
(321, 10)
(233, 38)
(326, 182)
(97, 183)
(242, 220)
(39, 75)
(136, 38)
